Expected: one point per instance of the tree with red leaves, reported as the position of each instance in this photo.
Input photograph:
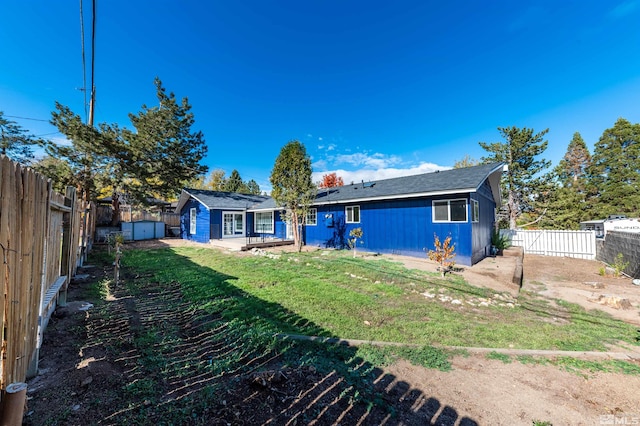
(331, 180)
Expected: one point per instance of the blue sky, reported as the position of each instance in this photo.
(373, 89)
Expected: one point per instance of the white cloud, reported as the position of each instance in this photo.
(331, 147)
(319, 165)
(377, 174)
(377, 160)
(320, 139)
(625, 9)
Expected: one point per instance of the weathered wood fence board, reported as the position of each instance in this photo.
(578, 244)
(104, 212)
(34, 222)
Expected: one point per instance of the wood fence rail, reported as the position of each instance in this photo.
(44, 237)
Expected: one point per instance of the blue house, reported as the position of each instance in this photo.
(213, 215)
(397, 216)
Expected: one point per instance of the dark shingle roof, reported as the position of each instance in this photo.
(225, 200)
(444, 182)
(466, 179)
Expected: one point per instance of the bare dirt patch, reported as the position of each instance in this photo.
(579, 281)
(82, 378)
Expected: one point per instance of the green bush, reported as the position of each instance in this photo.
(499, 241)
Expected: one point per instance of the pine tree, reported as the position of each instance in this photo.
(234, 183)
(16, 142)
(573, 168)
(156, 159)
(567, 204)
(85, 157)
(253, 187)
(164, 153)
(615, 171)
(521, 183)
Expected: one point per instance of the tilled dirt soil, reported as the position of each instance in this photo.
(81, 381)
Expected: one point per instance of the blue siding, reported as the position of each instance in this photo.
(202, 234)
(481, 234)
(397, 227)
(279, 227)
(250, 221)
(216, 224)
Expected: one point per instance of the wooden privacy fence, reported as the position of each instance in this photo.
(578, 244)
(134, 215)
(44, 237)
(170, 219)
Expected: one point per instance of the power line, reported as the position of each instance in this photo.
(26, 118)
(93, 62)
(48, 134)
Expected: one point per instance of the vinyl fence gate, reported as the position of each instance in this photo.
(577, 244)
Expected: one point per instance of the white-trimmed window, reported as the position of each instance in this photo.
(192, 220)
(312, 217)
(353, 214)
(263, 222)
(449, 210)
(475, 211)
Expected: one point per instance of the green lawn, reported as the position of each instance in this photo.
(188, 325)
(329, 293)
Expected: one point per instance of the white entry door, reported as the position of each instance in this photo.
(232, 224)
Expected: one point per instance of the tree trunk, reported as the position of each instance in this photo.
(513, 211)
(115, 207)
(296, 231)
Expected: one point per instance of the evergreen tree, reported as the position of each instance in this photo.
(234, 183)
(163, 153)
(156, 159)
(521, 182)
(216, 181)
(253, 187)
(293, 188)
(573, 168)
(615, 170)
(85, 157)
(16, 142)
(567, 204)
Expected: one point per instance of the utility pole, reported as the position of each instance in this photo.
(92, 100)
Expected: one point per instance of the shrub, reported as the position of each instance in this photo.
(619, 265)
(355, 234)
(500, 241)
(443, 254)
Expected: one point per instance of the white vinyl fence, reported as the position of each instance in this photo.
(578, 244)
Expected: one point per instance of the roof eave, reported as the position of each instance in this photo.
(494, 177)
(397, 196)
(184, 197)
